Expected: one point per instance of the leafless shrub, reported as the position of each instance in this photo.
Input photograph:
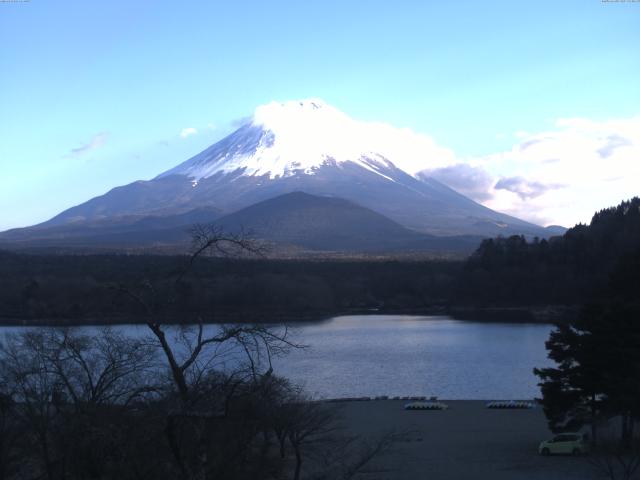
(613, 459)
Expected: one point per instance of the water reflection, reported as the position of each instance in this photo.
(370, 355)
(406, 355)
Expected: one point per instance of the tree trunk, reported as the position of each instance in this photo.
(2, 460)
(46, 457)
(296, 476)
(176, 371)
(282, 438)
(625, 439)
(594, 426)
(170, 432)
(266, 443)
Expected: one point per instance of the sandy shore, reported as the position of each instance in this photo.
(467, 441)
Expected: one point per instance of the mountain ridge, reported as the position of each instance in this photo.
(305, 146)
(295, 222)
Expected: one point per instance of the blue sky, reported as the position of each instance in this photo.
(95, 94)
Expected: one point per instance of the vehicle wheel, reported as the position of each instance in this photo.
(545, 452)
(576, 452)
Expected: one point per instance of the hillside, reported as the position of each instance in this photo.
(566, 269)
(334, 224)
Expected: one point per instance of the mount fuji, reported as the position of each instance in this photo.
(298, 146)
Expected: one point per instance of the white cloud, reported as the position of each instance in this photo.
(407, 149)
(525, 189)
(559, 176)
(565, 175)
(311, 129)
(187, 132)
(97, 141)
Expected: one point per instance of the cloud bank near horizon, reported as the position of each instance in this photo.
(560, 176)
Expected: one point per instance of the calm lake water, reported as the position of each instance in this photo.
(399, 355)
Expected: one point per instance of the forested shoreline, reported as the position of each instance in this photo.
(87, 289)
(506, 279)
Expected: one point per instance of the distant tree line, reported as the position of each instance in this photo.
(84, 288)
(502, 272)
(567, 270)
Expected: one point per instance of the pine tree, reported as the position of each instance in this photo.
(598, 359)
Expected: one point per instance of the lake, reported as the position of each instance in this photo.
(401, 355)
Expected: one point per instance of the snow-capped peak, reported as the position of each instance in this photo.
(283, 139)
(277, 116)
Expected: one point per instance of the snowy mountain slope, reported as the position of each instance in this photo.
(309, 147)
(284, 139)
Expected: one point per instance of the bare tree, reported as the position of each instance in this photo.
(310, 423)
(37, 393)
(321, 447)
(615, 458)
(256, 341)
(108, 368)
(210, 367)
(10, 433)
(348, 456)
(63, 383)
